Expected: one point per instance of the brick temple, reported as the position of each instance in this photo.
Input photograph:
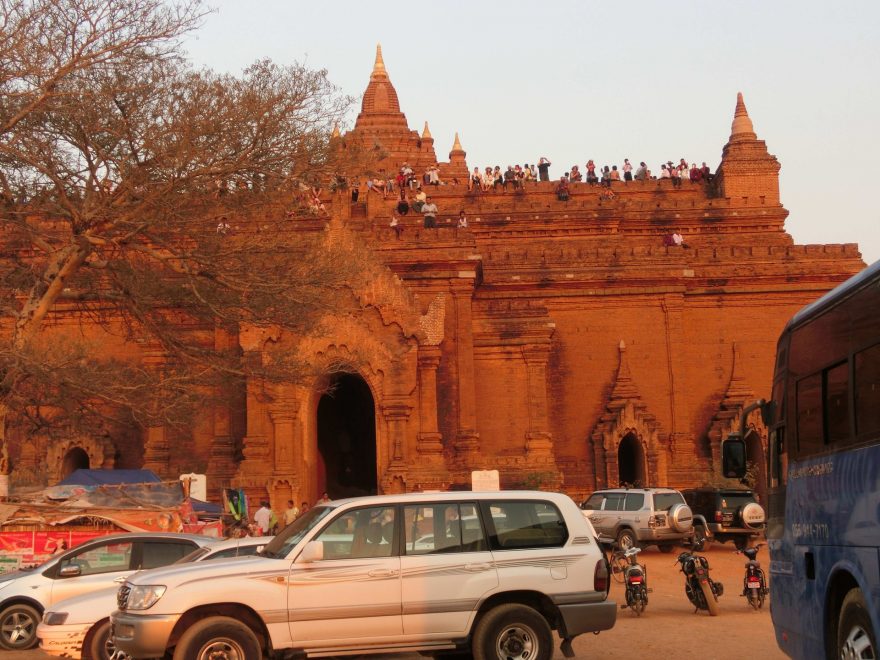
(562, 343)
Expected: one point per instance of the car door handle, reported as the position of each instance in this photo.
(382, 572)
(477, 567)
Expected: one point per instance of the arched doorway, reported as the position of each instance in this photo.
(631, 461)
(756, 465)
(75, 459)
(347, 438)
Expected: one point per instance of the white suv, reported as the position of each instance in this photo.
(493, 572)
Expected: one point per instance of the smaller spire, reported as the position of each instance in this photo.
(379, 66)
(335, 133)
(742, 125)
(456, 146)
(426, 134)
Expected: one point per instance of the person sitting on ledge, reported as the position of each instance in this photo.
(642, 172)
(562, 190)
(576, 174)
(402, 204)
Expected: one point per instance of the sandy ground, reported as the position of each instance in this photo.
(668, 627)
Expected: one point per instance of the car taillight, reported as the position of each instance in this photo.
(718, 517)
(600, 576)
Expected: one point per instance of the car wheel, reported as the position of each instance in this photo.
(512, 632)
(18, 627)
(218, 637)
(102, 646)
(626, 539)
(741, 543)
(855, 634)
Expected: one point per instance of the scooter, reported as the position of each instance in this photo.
(635, 580)
(701, 590)
(754, 583)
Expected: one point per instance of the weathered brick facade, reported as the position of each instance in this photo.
(560, 342)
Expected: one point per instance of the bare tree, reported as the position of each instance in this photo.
(149, 198)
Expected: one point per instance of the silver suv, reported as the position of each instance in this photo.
(641, 516)
(492, 573)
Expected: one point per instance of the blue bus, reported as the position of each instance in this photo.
(823, 525)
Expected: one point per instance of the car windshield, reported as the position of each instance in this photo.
(665, 501)
(283, 543)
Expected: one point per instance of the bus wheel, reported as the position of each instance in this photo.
(855, 635)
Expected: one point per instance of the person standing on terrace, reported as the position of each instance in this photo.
(544, 168)
(627, 170)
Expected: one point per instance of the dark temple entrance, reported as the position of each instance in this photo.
(347, 438)
(631, 462)
(75, 459)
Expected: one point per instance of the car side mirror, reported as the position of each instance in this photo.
(71, 570)
(314, 551)
(733, 457)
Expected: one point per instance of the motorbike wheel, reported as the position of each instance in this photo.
(754, 598)
(709, 597)
(640, 601)
(618, 567)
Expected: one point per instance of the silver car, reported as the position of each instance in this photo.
(97, 564)
(641, 516)
(79, 627)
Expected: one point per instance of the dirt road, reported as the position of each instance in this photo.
(668, 628)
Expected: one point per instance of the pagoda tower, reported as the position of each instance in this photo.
(381, 123)
(747, 169)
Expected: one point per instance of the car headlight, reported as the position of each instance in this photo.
(55, 618)
(143, 597)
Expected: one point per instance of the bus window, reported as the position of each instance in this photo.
(809, 415)
(837, 405)
(867, 391)
(778, 457)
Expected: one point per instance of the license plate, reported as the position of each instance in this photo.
(754, 584)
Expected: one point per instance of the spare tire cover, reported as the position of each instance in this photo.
(681, 518)
(752, 515)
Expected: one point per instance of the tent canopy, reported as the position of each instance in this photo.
(84, 477)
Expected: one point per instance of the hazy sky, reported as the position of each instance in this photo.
(652, 81)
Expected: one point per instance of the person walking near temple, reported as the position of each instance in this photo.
(290, 513)
(544, 168)
(263, 518)
(429, 210)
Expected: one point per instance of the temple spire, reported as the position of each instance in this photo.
(456, 146)
(742, 125)
(335, 133)
(379, 66)
(426, 134)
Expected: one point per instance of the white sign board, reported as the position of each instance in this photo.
(485, 480)
(198, 485)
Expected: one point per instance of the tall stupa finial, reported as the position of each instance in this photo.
(742, 125)
(379, 66)
(335, 133)
(456, 146)
(426, 134)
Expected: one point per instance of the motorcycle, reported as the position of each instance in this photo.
(701, 590)
(754, 583)
(635, 579)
